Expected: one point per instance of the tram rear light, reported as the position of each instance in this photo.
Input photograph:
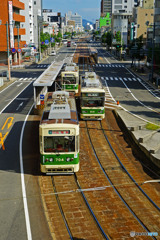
(100, 111)
(46, 160)
(84, 111)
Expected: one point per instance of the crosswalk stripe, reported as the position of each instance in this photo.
(107, 78)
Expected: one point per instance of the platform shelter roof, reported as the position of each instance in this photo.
(49, 75)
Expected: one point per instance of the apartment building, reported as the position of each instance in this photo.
(106, 7)
(33, 16)
(143, 18)
(157, 22)
(119, 6)
(10, 14)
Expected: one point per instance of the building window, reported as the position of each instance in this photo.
(34, 2)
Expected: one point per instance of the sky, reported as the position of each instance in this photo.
(88, 9)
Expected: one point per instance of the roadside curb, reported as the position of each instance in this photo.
(134, 142)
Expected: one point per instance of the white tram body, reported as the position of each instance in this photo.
(92, 97)
(59, 135)
(70, 78)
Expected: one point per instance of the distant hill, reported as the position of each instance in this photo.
(84, 22)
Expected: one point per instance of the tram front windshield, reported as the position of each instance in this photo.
(56, 144)
(69, 79)
(92, 101)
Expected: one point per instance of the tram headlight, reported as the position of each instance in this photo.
(69, 159)
(100, 111)
(84, 111)
(51, 159)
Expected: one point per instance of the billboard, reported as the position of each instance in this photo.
(10, 10)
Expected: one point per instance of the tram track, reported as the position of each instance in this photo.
(133, 199)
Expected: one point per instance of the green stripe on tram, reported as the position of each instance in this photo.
(92, 111)
(59, 159)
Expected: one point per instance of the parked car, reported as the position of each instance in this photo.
(53, 53)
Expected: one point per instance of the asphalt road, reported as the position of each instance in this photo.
(134, 94)
(21, 211)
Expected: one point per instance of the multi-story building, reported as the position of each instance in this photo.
(123, 6)
(157, 22)
(75, 17)
(52, 21)
(11, 39)
(106, 7)
(33, 16)
(143, 18)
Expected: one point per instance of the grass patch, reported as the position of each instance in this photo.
(151, 126)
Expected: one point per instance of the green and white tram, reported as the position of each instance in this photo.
(70, 78)
(92, 97)
(59, 135)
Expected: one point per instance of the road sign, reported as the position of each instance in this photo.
(13, 50)
(41, 96)
(19, 50)
(52, 40)
(46, 42)
(42, 43)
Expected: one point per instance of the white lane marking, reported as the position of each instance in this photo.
(107, 60)
(150, 89)
(19, 84)
(20, 105)
(138, 100)
(28, 227)
(14, 98)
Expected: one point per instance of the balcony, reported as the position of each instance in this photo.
(18, 17)
(18, 4)
(22, 31)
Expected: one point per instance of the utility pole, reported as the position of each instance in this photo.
(39, 43)
(18, 45)
(9, 70)
(153, 46)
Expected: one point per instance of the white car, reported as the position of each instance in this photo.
(53, 53)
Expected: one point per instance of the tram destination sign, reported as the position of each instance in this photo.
(92, 94)
(58, 131)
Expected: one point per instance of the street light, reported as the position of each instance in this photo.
(8, 55)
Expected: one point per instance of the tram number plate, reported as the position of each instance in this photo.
(59, 159)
